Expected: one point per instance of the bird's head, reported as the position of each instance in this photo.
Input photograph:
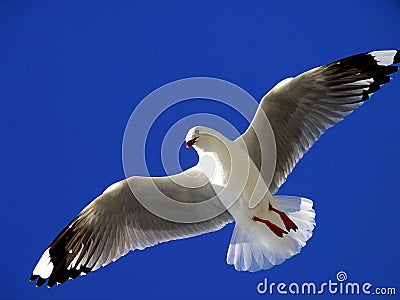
(202, 138)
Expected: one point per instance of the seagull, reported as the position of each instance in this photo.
(269, 228)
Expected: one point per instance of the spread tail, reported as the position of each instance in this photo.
(261, 243)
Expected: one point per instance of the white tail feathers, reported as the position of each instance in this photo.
(255, 247)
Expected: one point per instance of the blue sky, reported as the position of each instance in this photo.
(71, 73)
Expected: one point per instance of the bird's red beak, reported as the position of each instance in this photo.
(191, 142)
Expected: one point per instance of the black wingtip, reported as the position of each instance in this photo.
(40, 281)
(396, 58)
(51, 283)
(33, 277)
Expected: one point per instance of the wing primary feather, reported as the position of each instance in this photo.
(304, 107)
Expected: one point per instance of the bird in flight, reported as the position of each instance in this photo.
(268, 228)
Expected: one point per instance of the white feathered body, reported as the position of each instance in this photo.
(245, 194)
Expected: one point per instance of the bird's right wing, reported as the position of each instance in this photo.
(116, 223)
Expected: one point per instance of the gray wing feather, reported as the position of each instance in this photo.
(300, 109)
(116, 223)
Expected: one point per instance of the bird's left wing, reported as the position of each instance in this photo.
(116, 223)
(300, 109)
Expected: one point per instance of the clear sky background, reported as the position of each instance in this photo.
(71, 73)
